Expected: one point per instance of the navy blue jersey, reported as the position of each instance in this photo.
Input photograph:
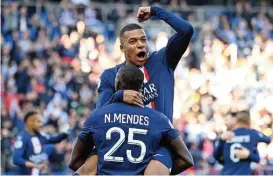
(248, 138)
(31, 148)
(158, 70)
(126, 137)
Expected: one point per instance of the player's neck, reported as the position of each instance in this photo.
(30, 131)
(127, 62)
(241, 125)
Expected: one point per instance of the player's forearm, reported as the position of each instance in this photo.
(255, 157)
(218, 151)
(183, 159)
(106, 98)
(31, 164)
(181, 26)
(79, 154)
(265, 139)
(180, 166)
(56, 139)
(18, 160)
(75, 165)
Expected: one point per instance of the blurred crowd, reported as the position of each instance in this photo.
(51, 59)
(235, 74)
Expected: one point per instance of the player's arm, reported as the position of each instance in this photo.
(254, 156)
(263, 138)
(54, 139)
(79, 154)
(18, 159)
(245, 154)
(218, 150)
(179, 42)
(107, 94)
(183, 157)
(83, 146)
(106, 90)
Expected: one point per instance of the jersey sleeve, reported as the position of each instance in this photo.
(19, 148)
(86, 134)
(53, 139)
(169, 133)
(254, 156)
(262, 138)
(218, 150)
(179, 42)
(106, 90)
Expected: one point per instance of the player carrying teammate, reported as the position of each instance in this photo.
(239, 151)
(29, 153)
(158, 68)
(127, 136)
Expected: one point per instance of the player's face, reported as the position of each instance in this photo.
(230, 122)
(135, 47)
(36, 123)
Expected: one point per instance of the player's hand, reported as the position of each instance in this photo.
(64, 127)
(42, 167)
(242, 153)
(143, 13)
(228, 135)
(133, 97)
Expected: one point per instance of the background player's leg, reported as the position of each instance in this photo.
(156, 168)
(89, 167)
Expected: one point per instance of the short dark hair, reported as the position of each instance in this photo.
(129, 27)
(29, 114)
(243, 116)
(129, 77)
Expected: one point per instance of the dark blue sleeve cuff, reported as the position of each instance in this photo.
(154, 10)
(118, 96)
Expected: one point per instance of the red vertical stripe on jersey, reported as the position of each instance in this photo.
(148, 79)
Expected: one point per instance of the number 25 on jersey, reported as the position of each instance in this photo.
(108, 156)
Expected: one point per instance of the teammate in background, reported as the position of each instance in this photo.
(29, 153)
(158, 68)
(127, 136)
(240, 150)
(230, 122)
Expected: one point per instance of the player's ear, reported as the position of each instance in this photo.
(121, 47)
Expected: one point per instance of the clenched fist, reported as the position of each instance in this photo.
(143, 13)
(133, 97)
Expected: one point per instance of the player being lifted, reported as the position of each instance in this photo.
(158, 68)
(126, 136)
(29, 153)
(237, 149)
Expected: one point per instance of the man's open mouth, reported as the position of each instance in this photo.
(141, 54)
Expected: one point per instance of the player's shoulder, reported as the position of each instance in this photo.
(23, 135)
(256, 132)
(111, 71)
(96, 114)
(107, 78)
(155, 55)
(21, 139)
